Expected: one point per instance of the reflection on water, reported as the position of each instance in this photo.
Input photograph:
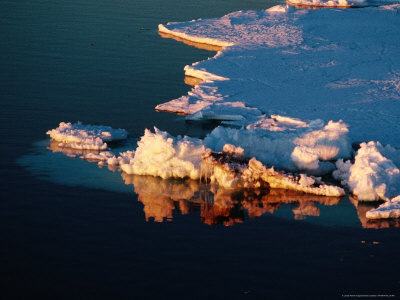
(163, 199)
(81, 153)
(218, 205)
(71, 152)
(160, 197)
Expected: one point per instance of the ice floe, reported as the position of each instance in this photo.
(373, 175)
(85, 137)
(329, 64)
(388, 210)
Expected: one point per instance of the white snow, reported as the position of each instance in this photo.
(373, 175)
(282, 67)
(328, 3)
(85, 137)
(288, 144)
(388, 210)
(160, 154)
(339, 3)
(329, 64)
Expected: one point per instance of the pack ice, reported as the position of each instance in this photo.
(299, 88)
(281, 70)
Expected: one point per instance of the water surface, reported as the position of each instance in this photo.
(103, 62)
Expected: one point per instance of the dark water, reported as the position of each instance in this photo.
(103, 62)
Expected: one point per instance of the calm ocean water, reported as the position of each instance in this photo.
(103, 62)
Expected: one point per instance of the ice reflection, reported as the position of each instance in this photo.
(70, 152)
(364, 207)
(82, 154)
(161, 198)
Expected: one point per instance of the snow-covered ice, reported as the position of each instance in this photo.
(329, 64)
(85, 137)
(160, 154)
(339, 3)
(373, 175)
(288, 144)
(230, 169)
(388, 210)
(282, 68)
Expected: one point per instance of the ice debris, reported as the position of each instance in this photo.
(373, 175)
(85, 137)
(388, 210)
(230, 169)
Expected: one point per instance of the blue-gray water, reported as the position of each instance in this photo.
(103, 62)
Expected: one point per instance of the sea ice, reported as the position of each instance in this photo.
(160, 154)
(388, 210)
(230, 169)
(288, 144)
(281, 76)
(373, 175)
(329, 64)
(85, 137)
(339, 3)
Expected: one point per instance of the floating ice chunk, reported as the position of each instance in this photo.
(80, 136)
(388, 210)
(230, 170)
(373, 175)
(202, 74)
(295, 146)
(197, 39)
(160, 154)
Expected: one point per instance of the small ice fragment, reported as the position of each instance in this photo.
(90, 137)
(388, 210)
